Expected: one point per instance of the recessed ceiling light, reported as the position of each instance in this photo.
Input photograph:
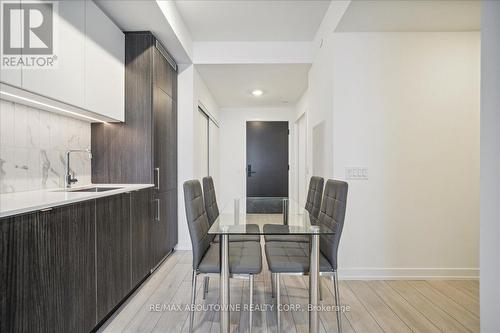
(257, 92)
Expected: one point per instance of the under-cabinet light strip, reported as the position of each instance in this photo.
(49, 106)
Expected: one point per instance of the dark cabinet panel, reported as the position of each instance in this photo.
(68, 240)
(20, 276)
(141, 219)
(159, 231)
(113, 252)
(171, 147)
(163, 73)
(47, 274)
(164, 227)
(165, 156)
(122, 151)
(171, 215)
(144, 148)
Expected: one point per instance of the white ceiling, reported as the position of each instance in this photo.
(411, 15)
(243, 20)
(232, 85)
(125, 15)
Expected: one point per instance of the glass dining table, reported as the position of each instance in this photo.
(234, 220)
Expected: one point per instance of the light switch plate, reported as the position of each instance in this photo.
(359, 173)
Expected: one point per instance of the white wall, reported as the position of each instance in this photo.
(490, 166)
(320, 87)
(406, 105)
(214, 152)
(204, 98)
(301, 167)
(191, 91)
(185, 146)
(320, 103)
(204, 95)
(319, 93)
(233, 148)
(302, 104)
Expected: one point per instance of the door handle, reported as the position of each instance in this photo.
(157, 217)
(157, 174)
(249, 171)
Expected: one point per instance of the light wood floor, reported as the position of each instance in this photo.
(374, 306)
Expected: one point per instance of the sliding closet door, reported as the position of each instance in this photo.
(213, 151)
(202, 154)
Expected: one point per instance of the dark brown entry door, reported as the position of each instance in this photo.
(267, 163)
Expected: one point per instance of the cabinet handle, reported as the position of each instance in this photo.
(46, 209)
(157, 174)
(157, 217)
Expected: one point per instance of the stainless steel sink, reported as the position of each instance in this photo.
(93, 189)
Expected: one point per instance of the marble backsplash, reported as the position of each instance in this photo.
(33, 145)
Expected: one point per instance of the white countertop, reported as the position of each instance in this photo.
(24, 202)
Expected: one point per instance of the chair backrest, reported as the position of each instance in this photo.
(197, 220)
(314, 194)
(332, 215)
(210, 199)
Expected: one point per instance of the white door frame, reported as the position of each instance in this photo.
(302, 116)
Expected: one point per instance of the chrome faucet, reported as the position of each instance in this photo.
(68, 179)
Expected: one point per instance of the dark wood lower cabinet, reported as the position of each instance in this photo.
(141, 218)
(113, 252)
(65, 269)
(171, 207)
(159, 230)
(47, 270)
(163, 229)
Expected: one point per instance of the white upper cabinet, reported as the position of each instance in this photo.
(104, 64)
(88, 50)
(8, 74)
(65, 81)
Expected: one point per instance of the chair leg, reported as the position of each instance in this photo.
(251, 303)
(206, 280)
(273, 281)
(278, 300)
(320, 290)
(337, 301)
(193, 298)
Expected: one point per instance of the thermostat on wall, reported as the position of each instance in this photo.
(360, 173)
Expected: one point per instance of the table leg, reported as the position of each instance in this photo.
(285, 211)
(314, 285)
(224, 285)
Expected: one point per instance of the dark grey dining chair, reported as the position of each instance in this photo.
(313, 205)
(293, 257)
(213, 213)
(245, 258)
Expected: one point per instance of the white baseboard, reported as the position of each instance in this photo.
(393, 273)
(183, 247)
(408, 273)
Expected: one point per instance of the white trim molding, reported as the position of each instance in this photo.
(183, 247)
(408, 273)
